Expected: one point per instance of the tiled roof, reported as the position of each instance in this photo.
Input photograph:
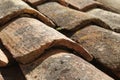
(59, 40)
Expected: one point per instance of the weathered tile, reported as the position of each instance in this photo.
(10, 9)
(34, 2)
(110, 18)
(103, 44)
(113, 5)
(66, 18)
(3, 59)
(82, 5)
(27, 38)
(62, 66)
(1, 78)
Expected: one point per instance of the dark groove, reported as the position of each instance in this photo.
(12, 61)
(12, 73)
(17, 17)
(104, 69)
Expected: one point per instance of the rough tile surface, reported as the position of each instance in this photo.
(27, 38)
(82, 5)
(113, 5)
(103, 44)
(110, 18)
(66, 18)
(10, 9)
(62, 66)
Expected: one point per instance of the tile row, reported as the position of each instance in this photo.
(29, 39)
(95, 36)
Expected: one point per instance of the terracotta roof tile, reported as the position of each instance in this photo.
(62, 65)
(110, 18)
(82, 5)
(103, 44)
(10, 9)
(113, 5)
(66, 18)
(26, 36)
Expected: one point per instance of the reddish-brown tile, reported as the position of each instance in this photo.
(82, 5)
(66, 18)
(27, 38)
(110, 18)
(10, 9)
(103, 44)
(113, 5)
(62, 66)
